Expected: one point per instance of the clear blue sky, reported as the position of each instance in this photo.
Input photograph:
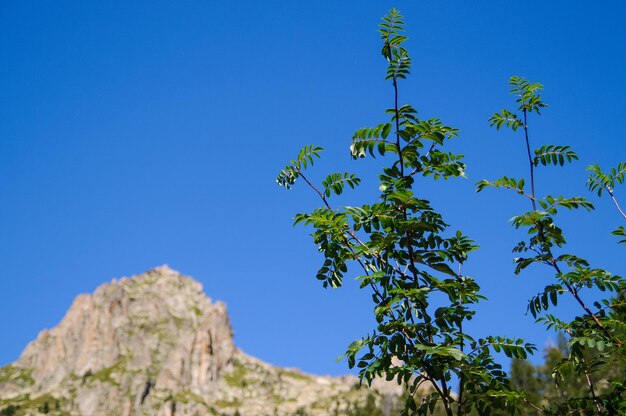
(139, 133)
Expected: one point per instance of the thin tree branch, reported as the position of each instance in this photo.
(553, 261)
(445, 393)
(616, 204)
(593, 393)
(460, 407)
(530, 161)
(534, 406)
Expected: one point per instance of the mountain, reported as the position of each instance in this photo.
(155, 344)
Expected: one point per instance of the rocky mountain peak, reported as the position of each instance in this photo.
(155, 344)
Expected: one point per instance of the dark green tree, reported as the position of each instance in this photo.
(540, 385)
(10, 410)
(538, 382)
(368, 409)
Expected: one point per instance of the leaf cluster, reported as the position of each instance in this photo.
(600, 181)
(406, 257)
(596, 335)
(288, 175)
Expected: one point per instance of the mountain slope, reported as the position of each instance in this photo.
(154, 344)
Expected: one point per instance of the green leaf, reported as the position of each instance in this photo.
(600, 181)
(288, 175)
(554, 155)
(620, 232)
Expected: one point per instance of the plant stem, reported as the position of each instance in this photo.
(360, 261)
(553, 261)
(541, 236)
(460, 408)
(593, 393)
(397, 114)
(616, 204)
(319, 193)
(444, 392)
(534, 406)
(530, 161)
(582, 304)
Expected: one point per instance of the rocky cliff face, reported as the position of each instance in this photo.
(154, 344)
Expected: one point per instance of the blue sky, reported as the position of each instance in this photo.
(134, 134)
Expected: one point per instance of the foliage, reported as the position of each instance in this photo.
(409, 259)
(368, 409)
(600, 181)
(596, 336)
(540, 386)
(10, 410)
